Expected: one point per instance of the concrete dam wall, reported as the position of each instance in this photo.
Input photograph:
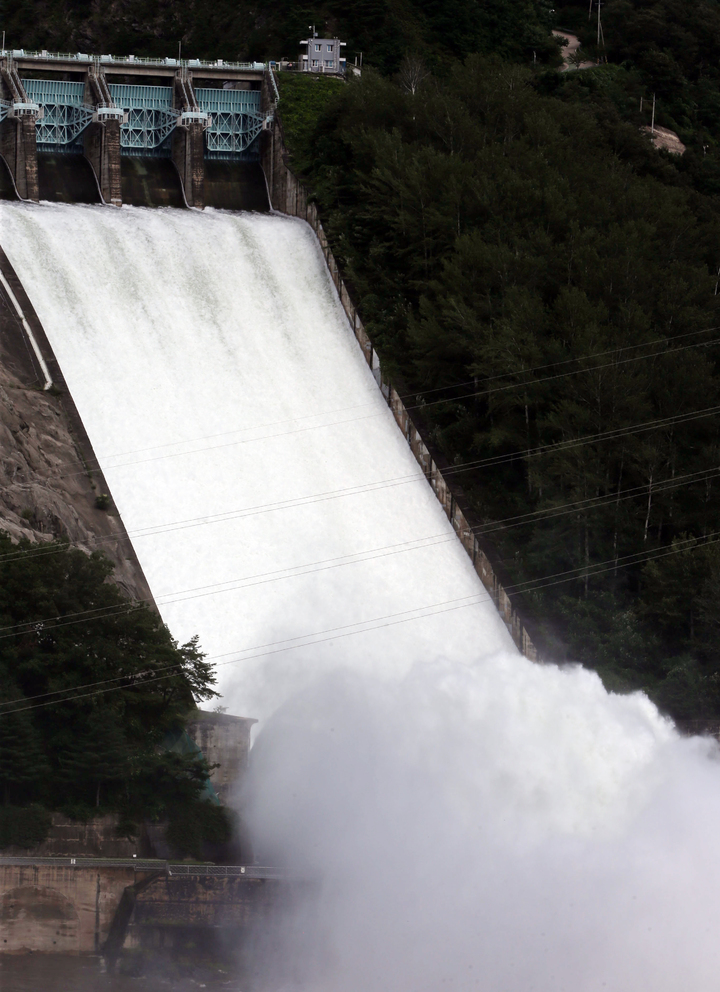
(145, 132)
(273, 504)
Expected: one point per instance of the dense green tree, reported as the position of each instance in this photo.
(23, 766)
(92, 684)
(383, 30)
(537, 277)
(96, 758)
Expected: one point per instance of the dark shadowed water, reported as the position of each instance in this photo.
(53, 973)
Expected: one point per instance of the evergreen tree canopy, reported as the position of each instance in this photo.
(536, 275)
(90, 685)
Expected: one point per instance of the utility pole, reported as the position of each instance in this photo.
(652, 125)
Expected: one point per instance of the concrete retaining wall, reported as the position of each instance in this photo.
(50, 909)
(58, 910)
(289, 196)
(225, 742)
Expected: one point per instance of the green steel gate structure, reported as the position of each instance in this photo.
(150, 118)
(236, 122)
(65, 115)
(234, 118)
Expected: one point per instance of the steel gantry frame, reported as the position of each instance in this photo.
(151, 117)
(236, 121)
(232, 118)
(65, 114)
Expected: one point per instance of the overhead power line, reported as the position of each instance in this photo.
(611, 435)
(611, 564)
(562, 509)
(308, 640)
(348, 630)
(558, 364)
(259, 578)
(474, 464)
(98, 613)
(562, 375)
(108, 467)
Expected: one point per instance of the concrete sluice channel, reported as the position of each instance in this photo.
(274, 506)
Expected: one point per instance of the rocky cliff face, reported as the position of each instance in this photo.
(49, 479)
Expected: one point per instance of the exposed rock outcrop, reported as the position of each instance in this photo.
(49, 477)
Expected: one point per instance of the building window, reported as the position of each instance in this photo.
(318, 48)
(330, 48)
(329, 63)
(315, 62)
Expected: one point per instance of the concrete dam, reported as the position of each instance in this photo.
(149, 132)
(467, 811)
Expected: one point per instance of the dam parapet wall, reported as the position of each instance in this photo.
(288, 195)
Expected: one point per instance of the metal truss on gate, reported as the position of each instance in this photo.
(65, 114)
(237, 120)
(4, 108)
(150, 115)
(235, 117)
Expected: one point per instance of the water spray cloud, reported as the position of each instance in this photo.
(499, 827)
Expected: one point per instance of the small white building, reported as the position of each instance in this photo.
(321, 55)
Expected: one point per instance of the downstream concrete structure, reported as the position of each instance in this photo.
(105, 107)
(100, 906)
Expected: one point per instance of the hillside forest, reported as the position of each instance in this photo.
(541, 283)
(542, 286)
(93, 693)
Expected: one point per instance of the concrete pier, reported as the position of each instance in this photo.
(17, 134)
(101, 142)
(188, 158)
(18, 148)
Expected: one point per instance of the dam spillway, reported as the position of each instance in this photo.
(274, 505)
(470, 812)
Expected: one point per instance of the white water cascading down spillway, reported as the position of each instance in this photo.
(480, 822)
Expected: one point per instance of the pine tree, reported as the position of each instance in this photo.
(23, 766)
(96, 758)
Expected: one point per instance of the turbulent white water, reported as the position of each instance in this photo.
(478, 822)
(266, 488)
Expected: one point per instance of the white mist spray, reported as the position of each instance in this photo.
(504, 827)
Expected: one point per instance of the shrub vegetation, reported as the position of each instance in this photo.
(90, 684)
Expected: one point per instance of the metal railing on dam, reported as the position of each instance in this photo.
(169, 868)
(128, 61)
